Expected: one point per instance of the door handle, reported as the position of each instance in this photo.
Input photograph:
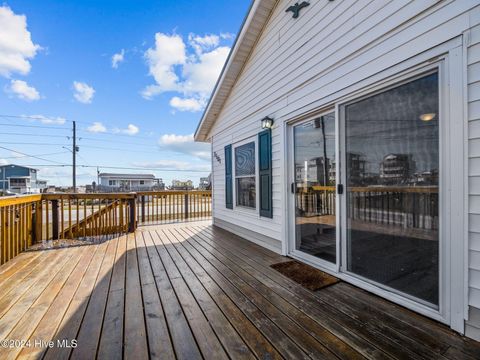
(340, 189)
(292, 188)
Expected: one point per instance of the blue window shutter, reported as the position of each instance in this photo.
(265, 172)
(228, 177)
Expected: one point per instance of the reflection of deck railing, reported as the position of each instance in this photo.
(25, 220)
(411, 207)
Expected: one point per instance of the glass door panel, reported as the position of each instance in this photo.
(314, 156)
(392, 183)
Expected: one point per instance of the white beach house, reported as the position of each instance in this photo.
(346, 134)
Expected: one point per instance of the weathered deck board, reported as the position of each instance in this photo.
(192, 291)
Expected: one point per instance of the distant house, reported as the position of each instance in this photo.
(20, 180)
(109, 182)
(205, 183)
(182, 185)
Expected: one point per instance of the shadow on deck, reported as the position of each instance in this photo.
(193, 291)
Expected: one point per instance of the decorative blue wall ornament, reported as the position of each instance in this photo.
(295, 9)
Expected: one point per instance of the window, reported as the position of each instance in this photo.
(112, 182)
(142, 182)
(245, 181)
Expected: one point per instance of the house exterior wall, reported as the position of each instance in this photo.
(330, 51)
(473, 71)
(14, 171)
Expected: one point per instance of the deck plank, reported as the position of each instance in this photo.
(289, 309)
(160, 345)
(20, 282)
(49, 324)
(180, 332)
(111, 341)
(72, 320)
(89, 334)
(378, 330)
(136, 338)
(206, 338)
(251, 334)
(346, 328)
(31, 318)
(270, 328)
(228, 336)
(23, 299)
(193, 291)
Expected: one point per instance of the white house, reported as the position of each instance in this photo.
(371, 167)
(129, 182)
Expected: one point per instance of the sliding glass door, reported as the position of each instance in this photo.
(314, 188)
(391, 155)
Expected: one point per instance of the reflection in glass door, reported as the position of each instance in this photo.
(392, 183)
(314, 187)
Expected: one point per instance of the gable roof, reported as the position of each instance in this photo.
(251, 29)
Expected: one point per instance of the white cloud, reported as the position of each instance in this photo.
(97, 127)
(4, 162)
(22, 90)
(203, 43)
(189, 104)
(168, 52)
(130, 130)
(227, 36)
(184, 144)
(16, 46)
(46, 120)
(191, 69)
(201, 76)
(118, 58)
(83, 92)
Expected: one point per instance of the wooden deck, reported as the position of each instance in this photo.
(193, 291)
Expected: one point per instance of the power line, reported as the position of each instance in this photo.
(35, 126)
(81, 138)
(32, 156)
(113, 141)
(31, 143)
(24, 156)
(128, 168)
(26, 134)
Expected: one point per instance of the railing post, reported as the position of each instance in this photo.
(186, 205)
(133, 216)
(55, 232)
(38, 221)
(142, 199)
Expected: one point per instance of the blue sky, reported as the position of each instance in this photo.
(135, 75)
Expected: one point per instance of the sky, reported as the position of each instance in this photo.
(135, 76)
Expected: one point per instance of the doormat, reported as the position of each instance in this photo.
(306, 275)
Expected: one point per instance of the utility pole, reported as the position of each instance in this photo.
(74, 162)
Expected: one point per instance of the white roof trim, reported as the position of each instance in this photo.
(250, 31)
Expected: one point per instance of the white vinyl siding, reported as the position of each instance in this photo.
(331, 50)
(473, 76)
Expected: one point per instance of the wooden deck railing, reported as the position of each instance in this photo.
(17, 225)
(25, 220)
(407, 206)
(160, 206)
(73, 216)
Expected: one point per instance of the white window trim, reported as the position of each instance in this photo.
(239, 208)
